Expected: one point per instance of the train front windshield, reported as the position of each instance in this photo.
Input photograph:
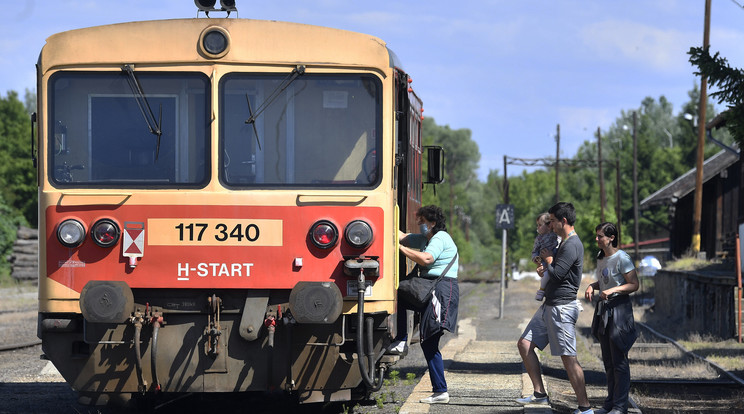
(133, 130)
(308, 130)
(151, 129)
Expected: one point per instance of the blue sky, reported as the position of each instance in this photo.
(509, 71)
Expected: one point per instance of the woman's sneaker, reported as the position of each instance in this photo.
(436, 398)
(397, 348)
(531, 399)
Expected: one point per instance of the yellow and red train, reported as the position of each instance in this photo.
(219, 202)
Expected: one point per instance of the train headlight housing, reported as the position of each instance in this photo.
(70, 233)
(105, 233)
(214, 42)
(324, 234)
(358, 234)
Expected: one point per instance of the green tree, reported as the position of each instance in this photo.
(664, 142)
(9, 222)
(17, 173)
(659, 162)
(461, 195)
(531, 194)
(730, 84)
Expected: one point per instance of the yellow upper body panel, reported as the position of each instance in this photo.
(251, 41)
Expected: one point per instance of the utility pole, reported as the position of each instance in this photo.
(557, 158)
(698, 206)
(636, 231)
(618, 210)
(602, 199)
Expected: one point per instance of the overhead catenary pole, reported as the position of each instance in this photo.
(636, 232)
(557, 158)
(602, 199)
(698, 206)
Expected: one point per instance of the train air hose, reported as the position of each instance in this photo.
(138, 356)
(373, 384)
(154, 352)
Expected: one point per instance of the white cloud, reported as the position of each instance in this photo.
(640, 44)
(730, 43)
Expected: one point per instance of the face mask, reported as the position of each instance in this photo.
(423, 228)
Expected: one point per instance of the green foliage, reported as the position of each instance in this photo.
(17, 173)
(380, 401)
(730, 84)
(666, 148)
(9, 222)
(462, 196)
(18, 191)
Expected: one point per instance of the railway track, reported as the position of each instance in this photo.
(665, 376)
(21, 310)
(20, 345)
(668, 378)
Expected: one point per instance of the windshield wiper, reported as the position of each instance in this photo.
(142, 103)
(296, 72)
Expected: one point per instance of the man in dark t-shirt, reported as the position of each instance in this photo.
(555, 320)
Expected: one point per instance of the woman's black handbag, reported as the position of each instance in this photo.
(416, 290)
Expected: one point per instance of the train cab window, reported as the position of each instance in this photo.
(313, 130)
(100, 136)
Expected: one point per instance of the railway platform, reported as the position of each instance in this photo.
(483, 368)
(484, 375)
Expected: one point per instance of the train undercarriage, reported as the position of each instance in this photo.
(176, 342)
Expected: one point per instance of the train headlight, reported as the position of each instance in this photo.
(105, 233)
(358, 234)
(324, 234)
(214, 42)
(70, 233)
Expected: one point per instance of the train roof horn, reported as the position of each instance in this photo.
(206, 6)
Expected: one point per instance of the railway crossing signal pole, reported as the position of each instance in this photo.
(504, 221)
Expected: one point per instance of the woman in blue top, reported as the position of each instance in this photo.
(613, 324)
(432, 250)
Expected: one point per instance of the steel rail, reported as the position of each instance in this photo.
(12, 347)
(717, 367)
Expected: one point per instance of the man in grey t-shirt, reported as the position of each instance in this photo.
(555, 320)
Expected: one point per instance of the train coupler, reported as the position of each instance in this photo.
(270, 324)
(213, 330)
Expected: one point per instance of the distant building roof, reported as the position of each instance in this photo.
(685, 184)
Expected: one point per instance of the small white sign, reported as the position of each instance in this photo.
(335, 99)
(351, 288)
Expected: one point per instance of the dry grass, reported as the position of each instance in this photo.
(728, 354)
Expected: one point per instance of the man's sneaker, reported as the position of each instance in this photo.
(531, 399)
(397, 348)
(601, 411)
(436, 398)
(578, 411)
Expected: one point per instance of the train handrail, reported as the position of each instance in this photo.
(326, 199)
